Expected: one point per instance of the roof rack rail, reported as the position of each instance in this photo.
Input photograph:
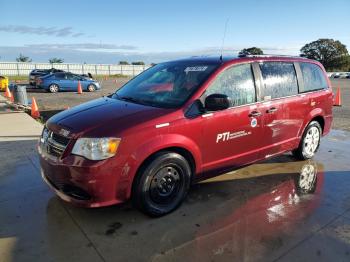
(269, 55)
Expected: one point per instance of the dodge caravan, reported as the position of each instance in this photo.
(182, 121)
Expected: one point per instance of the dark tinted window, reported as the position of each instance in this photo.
(279, 79)
(313, 77)
(60, 75)
(236, 82)
(72, 77)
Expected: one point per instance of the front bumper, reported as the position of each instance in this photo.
(85, 183)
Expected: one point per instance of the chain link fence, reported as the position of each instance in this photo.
(18, 69)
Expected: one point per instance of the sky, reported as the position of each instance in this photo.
(103, 31)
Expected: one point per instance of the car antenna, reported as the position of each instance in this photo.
(223, 39)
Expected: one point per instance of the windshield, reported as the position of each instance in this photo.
(167, 85)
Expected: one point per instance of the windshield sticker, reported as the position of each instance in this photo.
(195, 69)
(222, 137)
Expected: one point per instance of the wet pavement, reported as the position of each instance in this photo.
(277, 210)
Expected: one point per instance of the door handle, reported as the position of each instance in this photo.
(254, 114)
(271, 110)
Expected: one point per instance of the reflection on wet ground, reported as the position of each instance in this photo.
(280, 209)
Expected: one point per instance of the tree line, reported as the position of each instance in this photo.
(331, 53)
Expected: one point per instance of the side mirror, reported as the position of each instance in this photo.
(216, 102)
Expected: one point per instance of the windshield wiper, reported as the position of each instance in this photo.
(131, 99)
(136, 101)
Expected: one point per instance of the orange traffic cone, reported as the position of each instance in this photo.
(80, 90)
(9, 95)
(12, 98)
(337, 101)
(7, 92)
(34, 110)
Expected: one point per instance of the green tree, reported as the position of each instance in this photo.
(123, 62)
(251, 51)
(23, 59)
(56, 60)
(138, 63)
(331, 53)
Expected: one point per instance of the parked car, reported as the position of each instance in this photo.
(182, 121)
(34, 74)
(341, 75)
(66, 82)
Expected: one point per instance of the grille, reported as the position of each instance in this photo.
(60, 139)
(70, 190)
(56, 144)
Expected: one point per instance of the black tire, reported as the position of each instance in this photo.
(91, 88)
(302, 151)
(53, 88)
(161, 184)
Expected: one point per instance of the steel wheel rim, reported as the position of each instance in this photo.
(166, 184)
(91, 88)
(311, 140)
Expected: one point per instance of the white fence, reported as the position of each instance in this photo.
(14, 68)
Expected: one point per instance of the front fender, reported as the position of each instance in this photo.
(166, 141)
(158, 143)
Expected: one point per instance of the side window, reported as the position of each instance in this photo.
(279, 78)
(72, 77)
(236, 82)
(313, 77)
(60, 75)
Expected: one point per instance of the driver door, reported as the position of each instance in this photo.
(72, 82)
(233, 137)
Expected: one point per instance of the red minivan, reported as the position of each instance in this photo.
(182, 121)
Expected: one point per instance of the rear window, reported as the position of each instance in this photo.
(279, 79)
(313, 77)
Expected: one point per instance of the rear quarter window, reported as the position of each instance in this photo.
(313, 77)
(279, 79)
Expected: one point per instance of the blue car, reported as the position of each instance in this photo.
(64, 81)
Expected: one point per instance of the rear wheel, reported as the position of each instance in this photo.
(162, 184)
(310, 141)
(53, 88)
(91, 88)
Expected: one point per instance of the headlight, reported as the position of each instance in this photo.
(96, 148)
(44, 135)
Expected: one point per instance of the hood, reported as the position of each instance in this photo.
(103, 117)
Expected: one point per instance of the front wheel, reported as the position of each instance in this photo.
(91, 88)
(310, 141)
(162, 184)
